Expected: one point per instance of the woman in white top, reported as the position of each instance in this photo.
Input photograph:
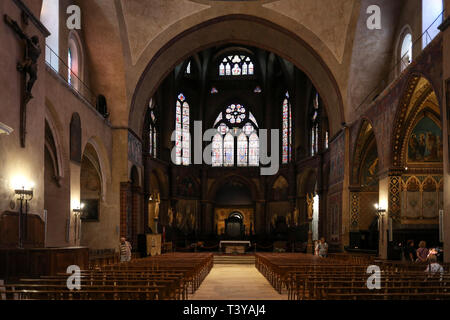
(434, 267)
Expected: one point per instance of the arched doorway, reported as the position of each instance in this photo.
(88, 227)
(234, 204)
(234, 226)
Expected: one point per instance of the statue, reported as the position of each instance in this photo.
(32, 53)
(170, 214)
(157, 202)
(310, 203)
(296, 214)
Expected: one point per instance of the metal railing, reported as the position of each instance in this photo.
(60, 67)
(400, 66)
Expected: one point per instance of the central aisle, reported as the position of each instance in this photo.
(236, 282)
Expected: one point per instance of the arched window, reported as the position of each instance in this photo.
(236, 65)
(152, 138)
(315, 125)
(236, 126)
(432, 17)
(242, 146)
(217, 150)
(287, 130)
(182, 133)
(188, 68)
(74, 61)
(228, 150)
(50, 19)
(70, 65)
(406, 51)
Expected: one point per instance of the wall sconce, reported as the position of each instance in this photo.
(381, 211)
(24, 194)
(78, 213)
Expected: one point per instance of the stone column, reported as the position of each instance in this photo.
(445, 116)
(384, 218)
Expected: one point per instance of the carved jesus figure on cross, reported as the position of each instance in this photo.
(32, 53)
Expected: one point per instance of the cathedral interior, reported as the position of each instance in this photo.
(277, 122)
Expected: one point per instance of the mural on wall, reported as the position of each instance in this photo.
(280, 189)
(369, 167)
(187, 187)
(425, 142)
(337, 149)
(134, 149)
(421, 197)
(185, 215)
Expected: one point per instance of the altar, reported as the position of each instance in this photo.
(234, 246)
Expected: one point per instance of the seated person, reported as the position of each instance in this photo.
(434, 268)
(410, 252)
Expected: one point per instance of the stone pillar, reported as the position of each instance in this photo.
(445, 116)
(124, 190)
(384, 218)
(259, 217)
(75, 197)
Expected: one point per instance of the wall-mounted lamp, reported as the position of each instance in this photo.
(78, 213)
(380, 210)
(24, 192)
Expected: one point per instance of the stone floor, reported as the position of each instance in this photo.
(236, 282)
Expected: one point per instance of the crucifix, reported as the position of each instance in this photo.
(28, 66)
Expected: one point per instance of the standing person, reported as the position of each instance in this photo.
(422, 252)
(410, 252)
(322, 248)
(125, 250)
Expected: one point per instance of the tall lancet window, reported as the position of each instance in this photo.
(242, 159)
(315, 125)
(287, 130)
(152, 134)
(228, 150)
(182, 133)
(70, 66)
(236, 141)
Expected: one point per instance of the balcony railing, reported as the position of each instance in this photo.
(397, 70)
(60, 67)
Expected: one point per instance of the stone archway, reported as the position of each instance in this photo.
(239, 29)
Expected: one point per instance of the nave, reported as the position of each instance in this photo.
(275, 276)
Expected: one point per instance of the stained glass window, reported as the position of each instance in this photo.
(315, 125)
(237, 128)
(242, 150)
(182, 134)
(326, 139)
(217, 150)
(152, 135)
(286, 130)
(214, 90)
(188, 68)
(254, 150)
(236, 65)
(69, 62)
(228, 146)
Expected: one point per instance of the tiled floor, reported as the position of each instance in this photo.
(236, 282)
